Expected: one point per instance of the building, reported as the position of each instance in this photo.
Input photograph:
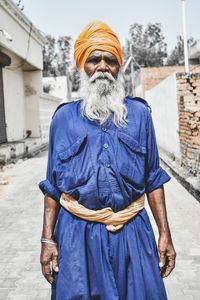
(24, 110)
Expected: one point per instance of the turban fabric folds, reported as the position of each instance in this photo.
(96, 36)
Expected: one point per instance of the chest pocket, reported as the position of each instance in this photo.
(131, 158)
(74, 166)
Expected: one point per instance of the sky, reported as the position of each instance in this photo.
(69, 17)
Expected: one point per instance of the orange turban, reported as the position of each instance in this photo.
(96, 36)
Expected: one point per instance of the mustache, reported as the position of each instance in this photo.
(101, 75)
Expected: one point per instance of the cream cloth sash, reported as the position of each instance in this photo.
(114, 221)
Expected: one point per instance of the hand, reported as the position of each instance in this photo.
(167, 254)
(49, 261)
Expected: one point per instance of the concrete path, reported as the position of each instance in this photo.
(21, 205)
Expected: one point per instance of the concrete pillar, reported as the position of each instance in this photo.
(33, 90)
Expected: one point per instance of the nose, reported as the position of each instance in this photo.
(102, 66)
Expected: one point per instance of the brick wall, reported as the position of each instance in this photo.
(188, 98)
(150, 77)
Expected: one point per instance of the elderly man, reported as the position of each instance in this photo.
(97, 240)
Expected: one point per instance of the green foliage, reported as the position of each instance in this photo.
(47, 87)
(49, 56)
(56, 56)
(146, 44)
(176, 56)
(75, 79)
(64, 46)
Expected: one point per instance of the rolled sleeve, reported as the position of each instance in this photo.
(155, 175)
(156, 179)
(48, 185)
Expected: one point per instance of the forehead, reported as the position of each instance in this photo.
(98, 53)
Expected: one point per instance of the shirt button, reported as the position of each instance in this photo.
(104, 128)
(107, 165)
(105, 146)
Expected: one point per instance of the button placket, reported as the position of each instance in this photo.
(105, 147)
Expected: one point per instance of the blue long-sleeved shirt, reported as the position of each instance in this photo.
(103, 166)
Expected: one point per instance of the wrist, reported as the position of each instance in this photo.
(165, 234)
(48, 234)
(48, 241)
(164, 229)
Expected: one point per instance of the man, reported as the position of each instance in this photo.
(97, 240)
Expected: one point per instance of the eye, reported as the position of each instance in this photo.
(111, 61)
(93, 60)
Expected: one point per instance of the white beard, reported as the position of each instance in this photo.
(101, 96)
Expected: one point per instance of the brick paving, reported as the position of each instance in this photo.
(21, 208)
(21, 205)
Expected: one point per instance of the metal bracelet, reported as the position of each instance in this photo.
(47, 241)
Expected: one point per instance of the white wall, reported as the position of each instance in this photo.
(59, 86)
(163, 101)
(48, 105)
(23, 78)
(33, 90)
(14, 104)
(15, 23)
(22, 90)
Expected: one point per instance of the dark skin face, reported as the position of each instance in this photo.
(101, 61)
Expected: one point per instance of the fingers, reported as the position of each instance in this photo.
(168, 269)
(46, 271)
(170, 265)
(49, 261)
(166, 263)
(55, 262)
(167, 255)
(162, 259)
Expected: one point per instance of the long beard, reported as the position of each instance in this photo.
(103, 96)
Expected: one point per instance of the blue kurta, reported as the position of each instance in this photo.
(104, 166)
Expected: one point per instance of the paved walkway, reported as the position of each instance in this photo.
(21, 205)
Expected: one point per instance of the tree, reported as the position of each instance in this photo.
(49, 56)
(177, 54)
(146, 45)
(64, 47)
(56, 56)
(75, 79)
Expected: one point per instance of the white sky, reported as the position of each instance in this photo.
(68, 17)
